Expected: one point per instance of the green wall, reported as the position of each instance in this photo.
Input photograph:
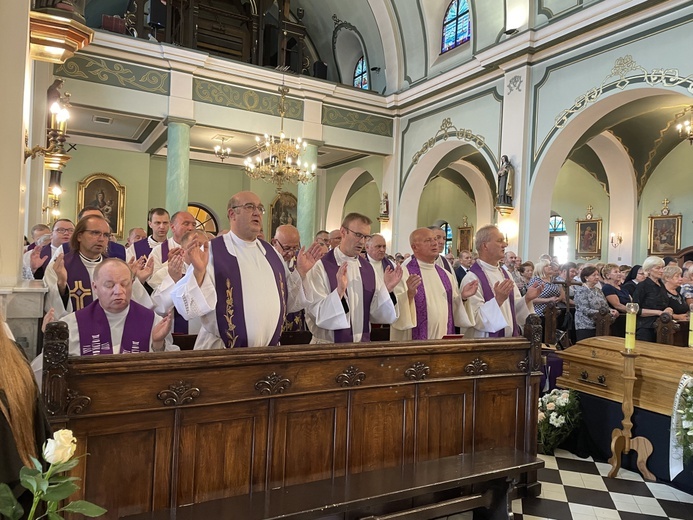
(443, 200)
(366, 201)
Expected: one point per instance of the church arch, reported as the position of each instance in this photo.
(348, 48)
(339, 197)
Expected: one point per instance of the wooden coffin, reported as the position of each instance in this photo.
(595, 366)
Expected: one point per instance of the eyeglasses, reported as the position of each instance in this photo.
(252, 208)
(98, 234)
(359, 236)
(289, 248)
(64, 231)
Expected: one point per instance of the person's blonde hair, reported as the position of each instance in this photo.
(670, 271)
(18, 384)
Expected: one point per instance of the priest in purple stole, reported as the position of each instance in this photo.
(238, 285)
(181, 223)
(159, 222)
(287, 242)
(429, 301)
(497, 308)
(347, 294)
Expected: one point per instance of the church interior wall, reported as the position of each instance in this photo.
(410, 18)
(443, 200)
(366, 200)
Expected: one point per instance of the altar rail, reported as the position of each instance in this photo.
(168, 429)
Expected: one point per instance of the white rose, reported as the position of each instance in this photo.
(60, 448)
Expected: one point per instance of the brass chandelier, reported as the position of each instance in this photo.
(277, 160)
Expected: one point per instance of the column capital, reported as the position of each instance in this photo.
(314, 142)
(182, 120)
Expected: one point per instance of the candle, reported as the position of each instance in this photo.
(631, 317)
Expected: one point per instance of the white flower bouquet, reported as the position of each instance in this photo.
(559, 413)
(684, 431)
(51, 487)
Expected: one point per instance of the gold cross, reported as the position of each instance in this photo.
(79, 292)
(589, 209)
(665, 202)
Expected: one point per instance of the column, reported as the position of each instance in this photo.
(307, 209)
(178, 163)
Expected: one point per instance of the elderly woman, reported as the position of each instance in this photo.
(634, 277)
(543, 272)
(615, 295)
(589, 300)
(687, 283)
(652, 297)
(526, 272)
(671, 277)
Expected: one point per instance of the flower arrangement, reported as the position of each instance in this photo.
(684, 429)
(51, 486)
(559, 413)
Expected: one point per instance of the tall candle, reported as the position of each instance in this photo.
(631, 317)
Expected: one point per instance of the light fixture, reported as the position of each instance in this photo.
(685, 128)
(54, 153)
(221, 151)
(277, 160)
(616, 239)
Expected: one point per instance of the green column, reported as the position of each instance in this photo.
(178, 163)
(308, 200)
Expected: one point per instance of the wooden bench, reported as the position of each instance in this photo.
(424, 490)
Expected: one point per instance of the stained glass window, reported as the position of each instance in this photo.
(456, 30)
(448, 237)
(361, 74)
(556, 224)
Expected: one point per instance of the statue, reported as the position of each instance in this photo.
(384, 206)
(506, 172)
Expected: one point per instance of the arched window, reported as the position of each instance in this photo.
(361, 74)
(448, 237)
(456, 29)
(204, 219)
(559, 242)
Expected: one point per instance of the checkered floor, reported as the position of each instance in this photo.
(578, 489)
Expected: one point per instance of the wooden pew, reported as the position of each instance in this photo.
(168, 429)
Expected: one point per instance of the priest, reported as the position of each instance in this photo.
(159, 222)
(181, 223)
(376, 253)
(497, 309)
(429, 300)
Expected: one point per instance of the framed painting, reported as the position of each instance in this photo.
(664, 235)
(588, 239)
(282, 211)
(465, 238)
(103, 191)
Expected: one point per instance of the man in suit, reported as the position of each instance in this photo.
(466, 261)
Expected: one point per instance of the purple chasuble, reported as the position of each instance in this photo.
(329, 262)
(230, 312)
(95, 331)
(78, 281)
(488, 295)
(421, 329)
(164, 251)
(31, 246)
(446, 265)
(294, 321)
(142, 248)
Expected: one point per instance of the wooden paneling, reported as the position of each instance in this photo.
(499, 413)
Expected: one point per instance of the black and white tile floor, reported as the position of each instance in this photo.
(579, 489)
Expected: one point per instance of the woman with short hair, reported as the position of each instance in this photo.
(589, 300)
(552, 293)
(671, 278)
(615, 295)
(652, 298)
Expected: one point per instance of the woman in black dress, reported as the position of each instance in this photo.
(652, 297)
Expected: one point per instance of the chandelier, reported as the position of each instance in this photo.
(277, 160)
(221, 151)
(686, 128)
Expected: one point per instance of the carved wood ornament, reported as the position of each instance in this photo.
(476, 367)
(180, 392)
(352, 376)
(417, 372)
(272, 384)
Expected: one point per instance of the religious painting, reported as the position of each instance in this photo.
(103, 191)
(588, 239)
(465, 238)
(664, 235)
(282, 211)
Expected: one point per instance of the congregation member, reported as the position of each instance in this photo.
(465, 262)
(589, 300)
(159, 222)
(429, 300)
(652, 298)
(671, 279)
(37, 231)
(347, 294)
(134, 235)
(334, 238)
(551, 293)
(633, 278)
(376, 254)
(510, 264)
(287, 242)
(69, 276)
(322, 237)
(39, 258)
(687, 282)
(527, 273)
(181, 223)
(496, 309)
(615, 295)
(238, 285)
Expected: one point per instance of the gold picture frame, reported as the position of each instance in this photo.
(588, 239)
(103, 191)
(465, 238)
(664, 235)
(283, 210)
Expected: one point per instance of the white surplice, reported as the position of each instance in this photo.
(130, 251)
(326, 314)
(261, 304)
(159, 264)
(488, 316)
(436, 305)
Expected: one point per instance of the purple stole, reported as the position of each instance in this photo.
(164, 251)
(230, 312)
(78, 281)
(446, 265)
(488, 295)
(142, 248)
(114, 250)
(46, 251)
(386, 263)
(295, 321)
(421, 329)
(31, 246)
(95, 331)
(329, 262)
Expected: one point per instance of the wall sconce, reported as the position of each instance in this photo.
(616, 239)
(55, 151)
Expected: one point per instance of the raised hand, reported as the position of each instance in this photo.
(533, 291)
(176, 264)
(35, 259)
(160, 331)
(60, 272)
(469, 289)
(48, 318)
(413, 282)
(199, 257)
(307, 258)
(502, 290)
(392, 277)
(342, 280)
(146, 268)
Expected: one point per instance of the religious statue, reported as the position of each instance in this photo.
(506, 172)
(384, 206)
